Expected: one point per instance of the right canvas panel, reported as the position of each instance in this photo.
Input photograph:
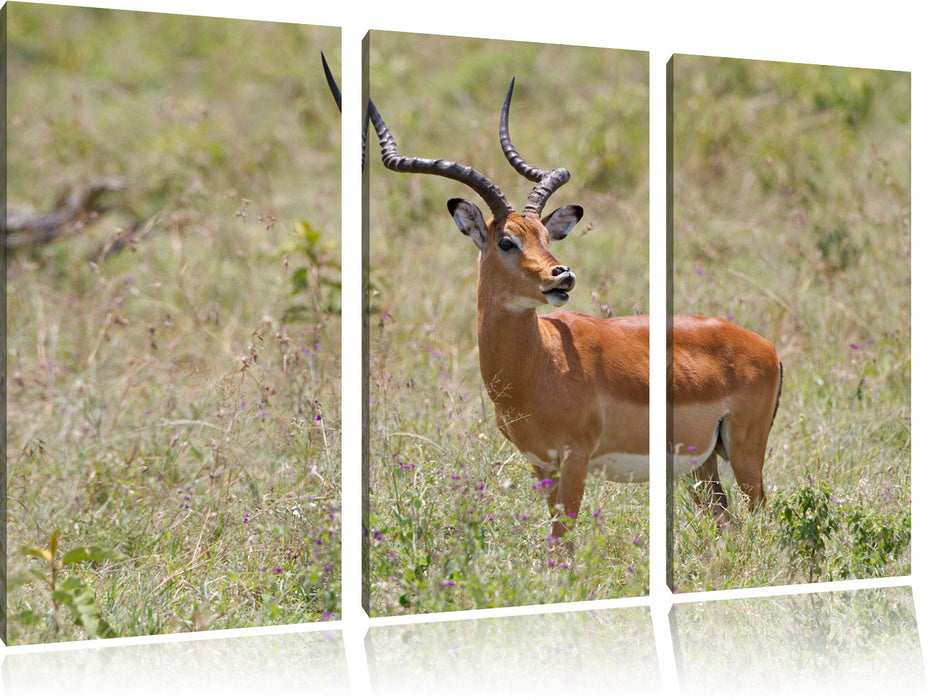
(788, 335)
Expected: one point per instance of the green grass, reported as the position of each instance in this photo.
(792, 217)
(455, 519)
(177, 402)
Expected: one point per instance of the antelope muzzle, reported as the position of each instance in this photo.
(557, 293)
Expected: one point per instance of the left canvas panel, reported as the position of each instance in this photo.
(172, 237)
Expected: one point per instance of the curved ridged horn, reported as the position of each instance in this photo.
(336, 93)
(547, 181)
(332, 85)
(392, 159)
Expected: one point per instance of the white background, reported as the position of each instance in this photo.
(892, 35)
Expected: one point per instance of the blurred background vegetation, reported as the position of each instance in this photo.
(174, 398)
(792, 218)
(455, 520)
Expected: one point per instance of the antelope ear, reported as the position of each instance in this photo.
(469, 220)
(560, 222)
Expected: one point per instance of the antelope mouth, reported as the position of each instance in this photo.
(557, 293)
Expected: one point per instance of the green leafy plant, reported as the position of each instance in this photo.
(807, 521)
(872, 542)
(73, 592)
(837, 246)
(864, 544)
(320, 275)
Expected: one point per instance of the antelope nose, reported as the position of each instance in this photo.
(563, 278)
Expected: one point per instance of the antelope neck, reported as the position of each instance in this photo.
(510, 343)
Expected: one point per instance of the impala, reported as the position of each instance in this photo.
(570, 391)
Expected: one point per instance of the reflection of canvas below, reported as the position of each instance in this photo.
(297, 664)
(552, 655)
(458, 517)
(843, 644)
(853, 644)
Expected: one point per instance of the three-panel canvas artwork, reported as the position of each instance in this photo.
(174, 264)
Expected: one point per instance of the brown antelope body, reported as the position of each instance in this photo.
(571, 391)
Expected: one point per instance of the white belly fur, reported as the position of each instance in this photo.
(685, 459)
(623, 468)
(629, 469)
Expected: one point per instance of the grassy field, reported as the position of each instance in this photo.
(792, 217)
(455, 519)
(173, 409)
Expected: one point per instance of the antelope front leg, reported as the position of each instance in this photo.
(572, 472)
(547, 482)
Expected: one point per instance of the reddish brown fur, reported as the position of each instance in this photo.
(578, 386)
(565, 382)
(727, 379)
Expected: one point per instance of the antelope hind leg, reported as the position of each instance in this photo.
(708, 491)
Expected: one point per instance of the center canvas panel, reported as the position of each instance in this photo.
(492, 413)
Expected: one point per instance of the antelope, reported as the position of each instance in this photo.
(571, 391)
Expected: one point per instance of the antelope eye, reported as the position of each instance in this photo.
(505, 244)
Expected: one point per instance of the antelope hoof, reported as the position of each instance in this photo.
(560, 551)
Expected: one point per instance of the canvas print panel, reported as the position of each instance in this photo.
(173, 329)
(790, 205)
(457, 517)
